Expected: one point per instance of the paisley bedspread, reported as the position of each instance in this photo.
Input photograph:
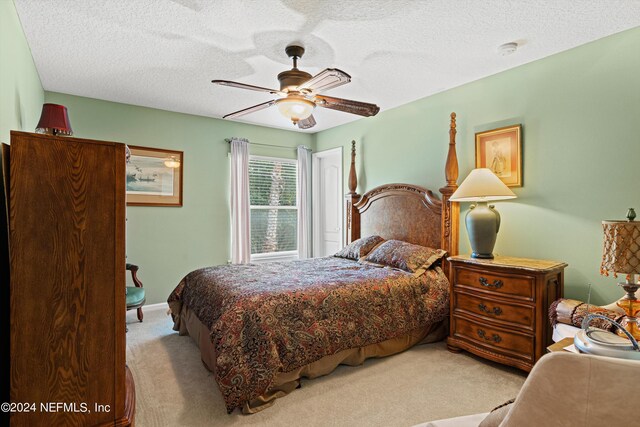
(276, 317)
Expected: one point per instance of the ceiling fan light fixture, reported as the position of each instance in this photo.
(299, 93)
(172, 162)
(295, 108)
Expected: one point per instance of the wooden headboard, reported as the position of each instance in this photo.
(408, 212)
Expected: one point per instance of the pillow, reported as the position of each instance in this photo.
(359, 248)
(572, 312)
(405, 256)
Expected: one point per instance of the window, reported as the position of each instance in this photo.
(274, 208)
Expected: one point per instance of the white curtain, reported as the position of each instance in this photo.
(240, 220)
(304, 202)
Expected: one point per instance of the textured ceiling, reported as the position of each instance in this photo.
(164, 53)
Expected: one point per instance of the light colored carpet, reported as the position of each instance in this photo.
(425, 383)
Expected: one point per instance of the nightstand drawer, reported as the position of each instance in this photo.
(497, 339)
(517, 315)
(508, 285)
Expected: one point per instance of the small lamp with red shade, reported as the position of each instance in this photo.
(54, 120)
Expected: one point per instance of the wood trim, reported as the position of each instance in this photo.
(525, 265)
(451, 210)
(5, 278)
(456, 345)
(353, 178)
(448, 211)
(429, 200)
(6, 150)
(353, 218)
(127, 418)
(352, 225)
(48, 138)
(119, 286)
(159, 150)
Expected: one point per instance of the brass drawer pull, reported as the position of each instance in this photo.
(495, 337)
(496, 283)
(496, 310)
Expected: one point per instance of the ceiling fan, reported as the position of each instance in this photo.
(299, 93)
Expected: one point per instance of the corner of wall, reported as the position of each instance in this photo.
(20, 84)
(313, 142)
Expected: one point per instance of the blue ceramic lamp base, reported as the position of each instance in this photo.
(483, 223)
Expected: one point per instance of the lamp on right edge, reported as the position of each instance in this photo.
(482, 220)
(621, 255)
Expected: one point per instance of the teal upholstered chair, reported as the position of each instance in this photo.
(135, 294)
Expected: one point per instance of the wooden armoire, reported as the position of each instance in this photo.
(67, 291)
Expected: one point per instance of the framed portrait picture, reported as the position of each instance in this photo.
(501, 151)
(154, 177)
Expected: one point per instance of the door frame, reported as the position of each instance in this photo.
(315, 193)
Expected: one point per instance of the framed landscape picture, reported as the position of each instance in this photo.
(501, 151)
(154, 177)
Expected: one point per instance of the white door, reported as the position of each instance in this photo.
(327, 202)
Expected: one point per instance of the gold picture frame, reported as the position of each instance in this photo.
(501, 151)
(150, 182)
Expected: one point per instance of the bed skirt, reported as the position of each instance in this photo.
(189, 324)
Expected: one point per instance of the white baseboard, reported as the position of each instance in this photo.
(158, 306)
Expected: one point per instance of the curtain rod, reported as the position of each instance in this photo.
(265, 145)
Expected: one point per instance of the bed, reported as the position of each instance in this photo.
(262, 327)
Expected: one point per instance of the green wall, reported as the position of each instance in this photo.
(579, 109)
(21, 94)
(169, 242)
(580, 112)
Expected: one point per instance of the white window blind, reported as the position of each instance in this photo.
(274, 208)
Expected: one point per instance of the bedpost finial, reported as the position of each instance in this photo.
(451, 167)
(453, 125)
(353, 179)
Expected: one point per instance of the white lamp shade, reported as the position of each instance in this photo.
(295, 108)
(482, 185)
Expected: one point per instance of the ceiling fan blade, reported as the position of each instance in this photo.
(250, 109)
(307, 123)
(325, 80)
(246, 86)
(348, 106)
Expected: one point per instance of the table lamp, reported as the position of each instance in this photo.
(482, 220)
(621, 255)
(54, 120)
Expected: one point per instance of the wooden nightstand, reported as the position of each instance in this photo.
(499, 307)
